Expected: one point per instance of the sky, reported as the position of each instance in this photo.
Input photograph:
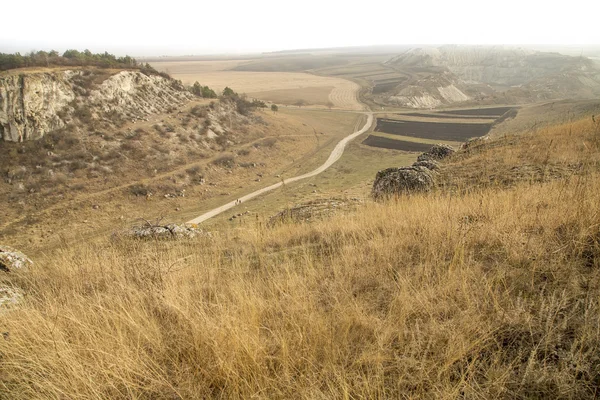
(177, 27)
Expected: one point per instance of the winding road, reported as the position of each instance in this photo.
(335, 155)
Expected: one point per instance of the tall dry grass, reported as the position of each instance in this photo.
(490, 293)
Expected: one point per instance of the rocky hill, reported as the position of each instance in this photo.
(493, 74)
(32, 104)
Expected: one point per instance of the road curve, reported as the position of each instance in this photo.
(333, 157)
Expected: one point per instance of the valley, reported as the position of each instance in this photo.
(365, 222)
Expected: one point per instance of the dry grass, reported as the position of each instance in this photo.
(487, 294)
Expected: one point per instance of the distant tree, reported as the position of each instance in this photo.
(274, 108)
(72, 57)
(208, 93)
(300, 103)
(228, 92)
(197, 89)
(329, 105)
(258, 103)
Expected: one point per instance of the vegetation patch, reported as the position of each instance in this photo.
(386, 143)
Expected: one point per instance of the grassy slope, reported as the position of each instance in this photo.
(294, 149)
(486, 288)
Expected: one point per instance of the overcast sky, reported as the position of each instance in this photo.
(176, 27)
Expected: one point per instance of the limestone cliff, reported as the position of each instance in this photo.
(33, 104)
(30, 103)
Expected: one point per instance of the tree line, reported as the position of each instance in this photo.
(69, 58)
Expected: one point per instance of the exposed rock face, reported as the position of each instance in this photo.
(34, 104)
(29, 104)
(169, 231)
(403, 180)
(135, 95)
(11, 259)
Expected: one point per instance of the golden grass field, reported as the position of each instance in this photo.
(486, 287)
(278, 87)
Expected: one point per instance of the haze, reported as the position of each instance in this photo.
(180, 27)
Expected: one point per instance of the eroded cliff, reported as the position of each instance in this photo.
(33, 104)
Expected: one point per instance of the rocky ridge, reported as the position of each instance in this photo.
(33, 104)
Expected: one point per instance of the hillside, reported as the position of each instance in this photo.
(444, 75)
(103, 148)
(485, 287)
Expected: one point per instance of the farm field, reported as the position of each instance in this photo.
(277, 87)
(192, 67)
(414, 131)
(458, 132)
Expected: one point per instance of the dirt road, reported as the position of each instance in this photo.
(333, 157)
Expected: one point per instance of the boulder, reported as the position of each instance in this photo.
(11, 259)
(437, 152)
(403, 180)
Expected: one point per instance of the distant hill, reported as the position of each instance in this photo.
(450, 74)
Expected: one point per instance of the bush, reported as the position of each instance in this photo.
(83, 114)
(226, 161)
(199, 111)
(139, 190)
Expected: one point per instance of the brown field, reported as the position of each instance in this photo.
(176, 68)
(278, 87)
(312, 95)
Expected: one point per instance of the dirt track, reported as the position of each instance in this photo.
(333, 157)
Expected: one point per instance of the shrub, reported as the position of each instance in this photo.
(226, 161)
(199, 111)
(139, 189)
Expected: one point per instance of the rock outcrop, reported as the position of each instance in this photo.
(11, 259)
(33, 104)
(312, 210)
(133, 95)
(419, 177)
(437, 152)
(167, 231)
(403, 180)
